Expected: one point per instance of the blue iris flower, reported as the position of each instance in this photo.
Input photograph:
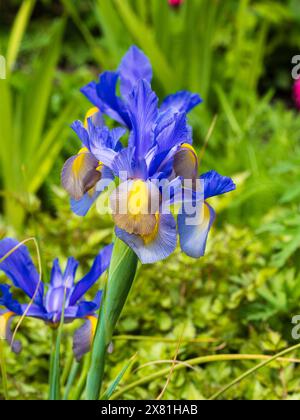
(159, 149)
(61, 292)
(134, 66)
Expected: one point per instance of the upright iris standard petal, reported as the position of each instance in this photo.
(156, 246)
(134, 66)
(90, 92)
(216, 184)
(171, 130)
(142, 108)
(193, 233)
(111, 104)
(182, 101)
(100, 265)
(19, 267)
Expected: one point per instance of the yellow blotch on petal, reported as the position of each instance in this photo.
(150, 238)
(89, 114)
(138, 198)
(93, 320)
(79, 161)
(3, 324)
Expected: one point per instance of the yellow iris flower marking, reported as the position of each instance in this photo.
(3, 324)
(193, 154)
(89, 114)
(93, 320)
(79, 161)
(138, 198)
(150, 238)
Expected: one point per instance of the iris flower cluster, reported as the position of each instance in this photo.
(48, 302)
(158, 155)
(158, 195)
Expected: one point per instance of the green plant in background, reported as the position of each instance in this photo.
(30, 142)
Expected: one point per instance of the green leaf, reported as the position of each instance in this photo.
(38, 94)
(111, 389)
(17, 33)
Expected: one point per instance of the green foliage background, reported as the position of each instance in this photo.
(241, 297)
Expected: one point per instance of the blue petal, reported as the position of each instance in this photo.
(160, 248)
(83, 338)
(142, 109)
(82, 206)
(171, 130)
(101, 264)
(7, 300)
(134, 66)
(55, 299)
(81, 132)
(125, 165)
(6, 333)
(56, 274)
(35, 311)
(193, 237)
(103, 143)
(90, 92)
(216, 184)
(19, 267)
(70, 273)
(111, 104)
(86, 308)
(182, 101)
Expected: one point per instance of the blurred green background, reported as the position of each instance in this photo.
(238, 299)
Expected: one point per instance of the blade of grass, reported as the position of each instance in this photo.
(111, 389)
(99, 53)
(17, 33)
(197, 361)
(71, 379)
(3, 370)
(253, 370)
(38, 94)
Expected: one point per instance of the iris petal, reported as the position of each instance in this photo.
(142, 109)
(80, 174)
(6, 333)
(101, 264)
(111, 104)
(171, 129)
(83, 337)
(160, 247)
(216, 184)
(19, 267)
(193, 237)
(134, 66)
(186, 162)
(182, 101)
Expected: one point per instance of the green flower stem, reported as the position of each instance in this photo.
(73, 373)
(121, 274)
(202, 360)
(54, 369)
(3, 370)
